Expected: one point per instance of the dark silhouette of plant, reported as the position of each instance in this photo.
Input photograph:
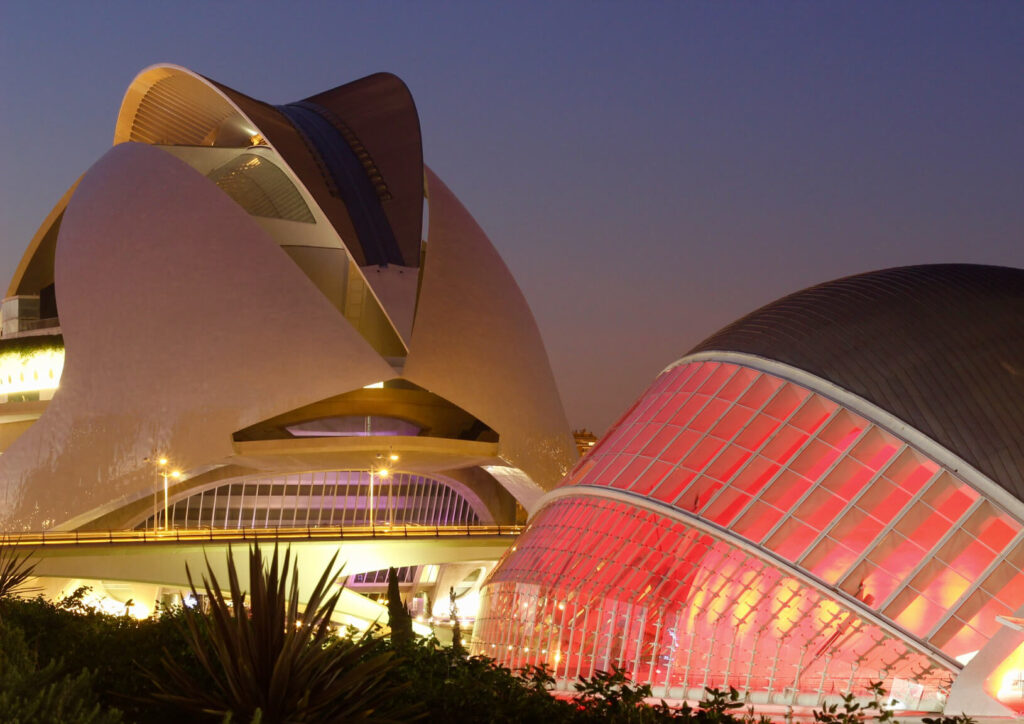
(15, 570)
(958, 719)
(399, 618)
(267, 659)
(29, 693)
(853, 712)
(453, 608)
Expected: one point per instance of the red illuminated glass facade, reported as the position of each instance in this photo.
(725, 490)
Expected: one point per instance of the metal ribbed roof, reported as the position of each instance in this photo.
(939, 346)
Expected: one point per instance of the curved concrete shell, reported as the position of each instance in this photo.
(905, 558)
(182, 322)
(475, 342)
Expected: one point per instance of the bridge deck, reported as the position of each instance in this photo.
(245, 535)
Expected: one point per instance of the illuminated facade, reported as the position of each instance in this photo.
(822, 495)
(285, 305)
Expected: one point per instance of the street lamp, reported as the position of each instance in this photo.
(383, 473)
(165, 473)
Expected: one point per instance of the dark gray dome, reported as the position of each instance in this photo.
(939, 346)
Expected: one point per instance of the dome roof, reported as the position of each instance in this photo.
(939, 346)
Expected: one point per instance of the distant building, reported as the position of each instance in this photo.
(585, 440)
(826, 493)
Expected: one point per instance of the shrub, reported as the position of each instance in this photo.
(264, 655)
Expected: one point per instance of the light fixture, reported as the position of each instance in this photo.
(393, 457)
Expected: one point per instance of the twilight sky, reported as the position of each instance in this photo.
(649, 171)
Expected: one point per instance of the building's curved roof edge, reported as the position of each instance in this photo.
(773, 559)
(37, 238)
(991, 489)
(940, 346)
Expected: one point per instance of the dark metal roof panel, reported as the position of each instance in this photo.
(938, 346)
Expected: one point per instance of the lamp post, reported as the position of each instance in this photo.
(165, 473)
(383, 472)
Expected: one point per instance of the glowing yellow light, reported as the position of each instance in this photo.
(257, 139)
(374, 386)
(383, 472)
(393, 457)
(29, 372)
(176, 474)
(162, 461)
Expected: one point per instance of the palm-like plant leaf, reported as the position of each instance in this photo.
(15, 570)
(270, 655)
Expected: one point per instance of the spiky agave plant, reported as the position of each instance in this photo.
(268, 656)
(15, 570)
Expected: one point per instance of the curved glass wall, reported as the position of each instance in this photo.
(311, 500)
(596, 582)
(825, 489)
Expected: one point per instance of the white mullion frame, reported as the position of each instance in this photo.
(783, 424)
(323, 495)
(803, 578)
(428, 513)
(891, 525)
(727, 484)
(695, 568)
(682, 429)
(334, 497)
(309, 498)
(784, 467)
(976, 584)
(681, 383)
(213, 510)
(270, 498)
(933, 551)
(903, 447)
(790, 514)
(227, 505)
(241, 506)
(704, 436)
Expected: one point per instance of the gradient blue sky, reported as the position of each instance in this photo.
(649, 171)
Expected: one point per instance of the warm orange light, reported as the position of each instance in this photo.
(162, 461)
(176, 474)
(383, 472)
(393, 457)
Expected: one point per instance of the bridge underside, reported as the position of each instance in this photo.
(143, 568)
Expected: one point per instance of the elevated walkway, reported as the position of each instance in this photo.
(164, 558)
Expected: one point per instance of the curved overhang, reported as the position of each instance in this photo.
(418, 454)
(168, 104)
(937, 346)
(1005, 500)
(43, 244)
(695, 521)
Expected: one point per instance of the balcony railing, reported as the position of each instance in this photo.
(208, 535)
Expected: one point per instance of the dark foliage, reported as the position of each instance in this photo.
(15, 569)
(265, 657)
(72, 637)
(399, 619)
